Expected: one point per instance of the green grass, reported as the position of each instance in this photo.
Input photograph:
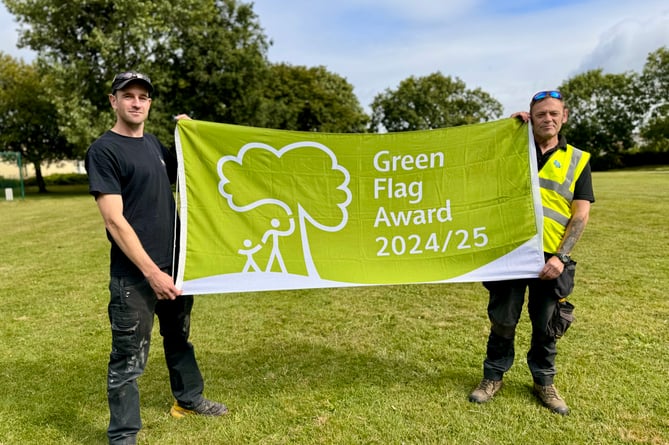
(375, 365)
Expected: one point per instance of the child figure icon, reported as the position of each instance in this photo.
(248, 251)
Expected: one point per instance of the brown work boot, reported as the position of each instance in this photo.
(485, 391)
(551, 399)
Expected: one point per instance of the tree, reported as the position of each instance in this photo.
(655, 132)
(205, 57)
(604, 111)
(213, 63)
(434, 101)
(311, 99)
(28, 120)
(655, 81)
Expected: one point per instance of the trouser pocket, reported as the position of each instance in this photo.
(562, 318)
(565, 282)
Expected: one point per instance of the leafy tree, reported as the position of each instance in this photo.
(311, 99)
(434, 101)
(655, 132)
(213, 63)
(204, 57)
(655, 82)
(28, 120)
(604, 111)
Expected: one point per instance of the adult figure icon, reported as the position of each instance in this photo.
(274, 234)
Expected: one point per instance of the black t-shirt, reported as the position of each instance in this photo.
(141, 171)
(583, 187)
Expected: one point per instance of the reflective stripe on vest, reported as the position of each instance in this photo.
(564, 189)
(557, 180)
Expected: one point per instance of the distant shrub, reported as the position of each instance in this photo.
(646, 158)
(631, 159)
(67, 179)
(60, 179)
(9, 183)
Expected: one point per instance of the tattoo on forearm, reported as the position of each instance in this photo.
(573, 234)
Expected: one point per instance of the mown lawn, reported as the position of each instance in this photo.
(377, 365)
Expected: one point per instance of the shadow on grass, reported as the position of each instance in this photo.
(272, 369)
(278, 367)
(62, 396)
(68, 397)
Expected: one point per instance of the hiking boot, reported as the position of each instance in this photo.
(485, 391)
(551, 399)
(204, 408)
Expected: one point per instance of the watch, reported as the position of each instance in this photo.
(566, 259)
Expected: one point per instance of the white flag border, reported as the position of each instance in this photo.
(182, 205)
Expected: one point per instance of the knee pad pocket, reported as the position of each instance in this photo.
(505, 331)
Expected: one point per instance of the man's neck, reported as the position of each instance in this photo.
(131, 131)
(546, 145)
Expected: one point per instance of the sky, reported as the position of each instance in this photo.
(508, 48)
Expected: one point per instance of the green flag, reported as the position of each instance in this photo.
(268, 209)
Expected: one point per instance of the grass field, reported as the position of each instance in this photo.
(381, 365)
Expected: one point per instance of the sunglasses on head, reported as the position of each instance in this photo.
(131, 75)
(544, 94)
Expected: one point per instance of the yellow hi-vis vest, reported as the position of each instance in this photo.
(557, 180)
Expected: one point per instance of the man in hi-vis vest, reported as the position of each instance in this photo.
(566, 194)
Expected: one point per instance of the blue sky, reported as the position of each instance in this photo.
(509, 48)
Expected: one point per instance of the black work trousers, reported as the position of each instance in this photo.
(504, 310)
(131, 308)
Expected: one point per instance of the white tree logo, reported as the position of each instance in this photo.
(304, 179)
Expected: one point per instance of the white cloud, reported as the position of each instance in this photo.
(509, 48)
(625, 46)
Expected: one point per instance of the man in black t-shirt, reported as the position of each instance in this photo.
(130, 175)
(566, 195)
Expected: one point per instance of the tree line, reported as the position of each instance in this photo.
(209, 59)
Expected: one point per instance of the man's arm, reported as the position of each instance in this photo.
(111, 209)
(580, 212)
(580, 209)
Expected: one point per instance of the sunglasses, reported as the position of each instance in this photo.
(544, 94)
(131, 75)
